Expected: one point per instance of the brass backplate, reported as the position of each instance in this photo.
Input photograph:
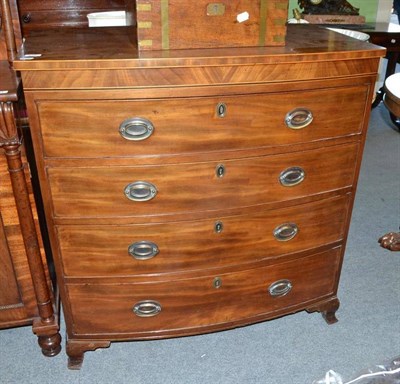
(215, 9)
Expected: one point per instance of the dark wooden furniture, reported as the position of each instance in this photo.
(38, 15)
(25, 288)
(192, 191)
(10, 31)
(386, 35)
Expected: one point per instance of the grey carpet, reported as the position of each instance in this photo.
(294, 349)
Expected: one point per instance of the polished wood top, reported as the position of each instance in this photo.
(116, 48)
(8, 82)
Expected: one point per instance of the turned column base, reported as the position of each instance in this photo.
(50, 345)
(49, 338)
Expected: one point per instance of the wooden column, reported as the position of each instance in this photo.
(46, 326)
(8, 30)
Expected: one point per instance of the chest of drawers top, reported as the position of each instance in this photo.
(310, 52)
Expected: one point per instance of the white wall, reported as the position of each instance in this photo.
(384, 11)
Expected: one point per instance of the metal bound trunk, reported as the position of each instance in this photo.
(180, 24)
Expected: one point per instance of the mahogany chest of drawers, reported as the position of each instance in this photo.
(196, 190)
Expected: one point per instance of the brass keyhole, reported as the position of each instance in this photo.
(218, 227)
(220, 170)
(217, 282)
(221, 110)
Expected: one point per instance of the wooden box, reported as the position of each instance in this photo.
(181, 24)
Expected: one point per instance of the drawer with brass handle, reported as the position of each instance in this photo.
(194, 305)
(166, 190)
(193, 125)
(136, 129)
(121, 250)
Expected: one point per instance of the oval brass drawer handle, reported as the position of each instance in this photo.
(147, 308)
(286, 231)
(136, 129)
(280, 288)
(292, 176)
(140, 191)
(143, 250)
(299, 118)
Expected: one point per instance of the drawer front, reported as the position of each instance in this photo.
(191, 305)
(203, 244)
(194, 125)
(41, 20)
(49, 5)
(187, 188)
(44, 15)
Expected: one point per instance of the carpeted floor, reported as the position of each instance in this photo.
(294, 349)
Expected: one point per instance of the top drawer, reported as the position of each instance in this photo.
(41, 15)
(194, 125)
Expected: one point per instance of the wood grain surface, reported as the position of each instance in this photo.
(17, 298)
(97, 192)
(195, 305)
(102, 250)
(75, 129)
